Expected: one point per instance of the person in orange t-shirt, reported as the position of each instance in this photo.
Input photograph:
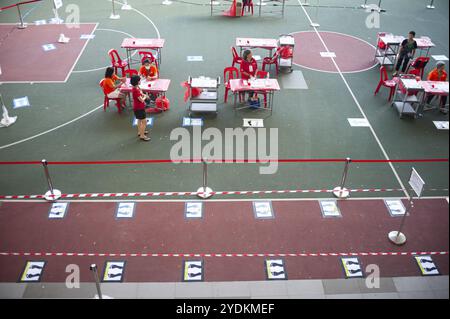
(109, 84)
(438, 75)
(148, 70)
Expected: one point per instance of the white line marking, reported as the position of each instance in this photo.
(51, 130)
(102, 68)
(146, 17)
(81, 53)
(357, 103)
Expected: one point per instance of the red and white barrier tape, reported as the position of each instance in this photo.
(166, 194)
(350, 254)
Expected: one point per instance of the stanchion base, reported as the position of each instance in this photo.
(126, 7)
(315, 25)
(431, 7)
(167, 2)
(340, 192)
(22, 26)
(52, 197)
(103, 297)
(215, 3)
(398, 240)
(114, 17)
(204, 193)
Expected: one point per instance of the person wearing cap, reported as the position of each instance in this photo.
(139, 100)
(148, 70)
(438, 75)
(407, 51)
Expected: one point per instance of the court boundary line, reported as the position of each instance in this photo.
(52, 129)
(81, 53)
(356, 102)
(96, 24)
(104, 67)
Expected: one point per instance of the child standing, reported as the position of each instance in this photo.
(139, 99)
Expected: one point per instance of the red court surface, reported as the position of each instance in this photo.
(226, 228)
(352, 54)
(23, 59)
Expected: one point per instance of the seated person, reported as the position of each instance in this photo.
(249, 67)
(148, 70)
(112, 83)
(438, 75)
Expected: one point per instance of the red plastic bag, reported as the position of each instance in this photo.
(195, 91)
(162, 103)
(287, 53)
(381, 45)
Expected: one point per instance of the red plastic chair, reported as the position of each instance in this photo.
(117, 62)
(229, 73)
(236, 58)
(384, 81)
(148, 55)
(249, 6)
(271, 60)
(419, 66)
(119, 102)
(261, 74)
(129, 73)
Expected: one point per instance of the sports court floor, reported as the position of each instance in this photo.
(65, 124)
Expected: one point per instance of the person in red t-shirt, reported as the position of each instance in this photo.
(249, 67)
(438, 75)
(139, 99)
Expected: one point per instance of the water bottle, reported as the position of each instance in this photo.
(267, 80)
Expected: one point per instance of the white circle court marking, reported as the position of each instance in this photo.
(104, 67)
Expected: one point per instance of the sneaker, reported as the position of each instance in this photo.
(444, 111)
(145, 138)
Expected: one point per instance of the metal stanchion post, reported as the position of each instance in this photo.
(341, 191)
(52, 194)
(113, 15)
(205, 192)
(364, 6)
(379, 7)
(97, 281)
(22, 25)
(397, 237)
(431, 5)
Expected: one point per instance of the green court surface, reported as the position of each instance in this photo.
(312, 123)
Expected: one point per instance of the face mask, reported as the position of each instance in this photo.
(148, 67)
